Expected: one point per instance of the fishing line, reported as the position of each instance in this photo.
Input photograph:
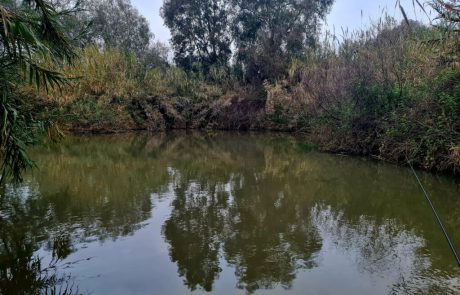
(438, 219)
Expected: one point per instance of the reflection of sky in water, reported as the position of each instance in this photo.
(234, 229)
(366, 258)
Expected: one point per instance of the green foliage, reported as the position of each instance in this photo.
(384, 92)
(120, 25)
(28, 35)
(267, 34)
(200, 32)
(15, 136)
(110, 24)
(278, 117)
(447, 84)
(270, 34)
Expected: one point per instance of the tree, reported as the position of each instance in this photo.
(155, 56)
(117, 24)
(268, 34)
(114, 24)
(30, 33)
(200, 32)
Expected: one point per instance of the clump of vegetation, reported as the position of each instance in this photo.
(386, 92)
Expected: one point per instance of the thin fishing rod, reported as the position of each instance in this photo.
(438, 219)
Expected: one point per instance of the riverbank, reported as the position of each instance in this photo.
(384, 94)
(158, 114)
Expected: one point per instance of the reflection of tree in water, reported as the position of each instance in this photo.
(247, 201)
(82, 193)
(263, 239)
(193, 232)
(103, 187)
(99, 188)
(268, 238)
(259, 229)
(21, 270)
(251, 202)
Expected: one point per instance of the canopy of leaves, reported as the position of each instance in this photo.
(200, 32)
(269, 34)
(117, 24)
(266, 35)
(109, 24)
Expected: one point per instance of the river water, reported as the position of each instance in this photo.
(222, 213)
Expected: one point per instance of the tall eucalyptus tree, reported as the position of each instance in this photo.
(118, 24)
(108, 23)
(200, 32)
(268, 34)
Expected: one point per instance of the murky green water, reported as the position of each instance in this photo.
(222, 213)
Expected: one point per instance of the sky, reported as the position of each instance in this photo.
(351, 14)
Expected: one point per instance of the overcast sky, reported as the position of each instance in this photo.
(345, 13)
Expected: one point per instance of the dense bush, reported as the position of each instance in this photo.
(385, 92)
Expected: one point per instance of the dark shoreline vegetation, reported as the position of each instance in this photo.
(391, 92)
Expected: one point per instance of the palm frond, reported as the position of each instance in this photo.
(33, 45)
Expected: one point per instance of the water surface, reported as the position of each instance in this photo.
(222, 213)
